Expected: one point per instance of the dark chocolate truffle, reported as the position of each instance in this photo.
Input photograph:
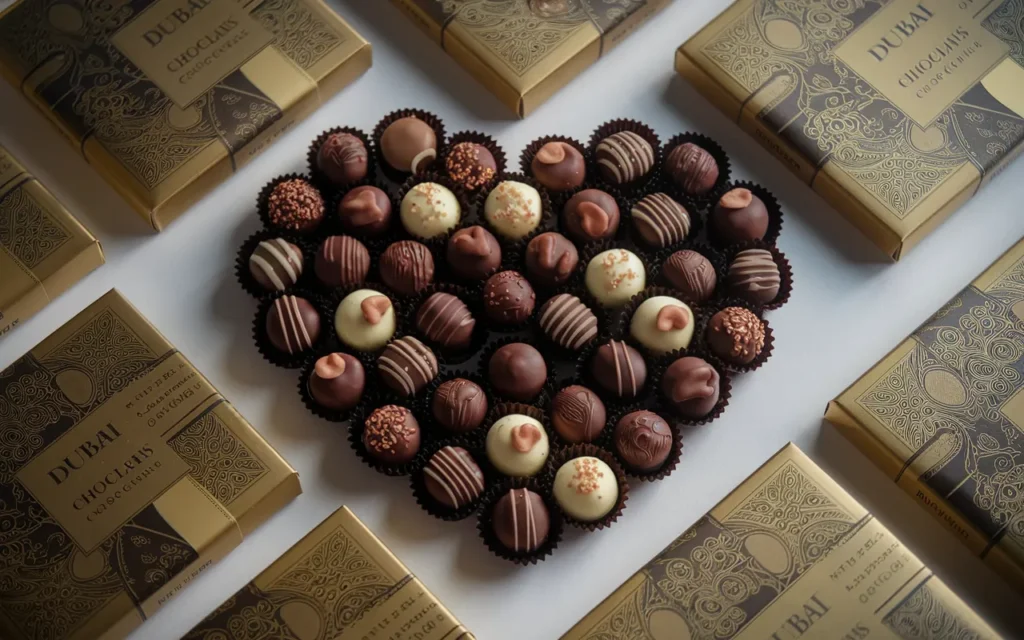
(692, 386)
(567, 322)
(740, 216)
(391, 434)
(508, 298)
(276, 264)
(643, 440)
(407, 267)
(754, 276)
(407, 365)
(342, 261)
(577, 414)
(619, 369)
(624, 157)
(692, 274)
(296, 205)
(692, 168)
(520, 521)
(473, 253)
(446, 321)
(459, 405)
(517, 371)
(735, 335)
(293, 324)
(408, 145)
(559, 166)
(337, 381)
(365, 210)
(590, 215)
(453, 478)
(342, 158)
(551, 258)
(471, 165)
(660, 220)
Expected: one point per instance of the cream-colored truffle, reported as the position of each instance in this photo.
(662, 324)
(586, 488)
(430, 210)
(517, 445)
(513, 209)
(615, 276)
(365, 320)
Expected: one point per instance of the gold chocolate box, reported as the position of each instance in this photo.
(338, 583)
(123, 475)
(166, 98)
(896, 111)
(43, 248)
(524, 51)
(943, 415)
(788, 554)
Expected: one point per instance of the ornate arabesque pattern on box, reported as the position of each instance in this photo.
(26, 230)
(217, 459)
(922, 616)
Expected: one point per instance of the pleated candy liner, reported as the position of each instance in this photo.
(393, 396)
(328, 306)
(314, 407)
(591, 251)
(785, 272)
(444, 269)
(666, 468)
(665, 405)
(611, 400)
(333, 225)
(568, 454)
(387, 170)
(263, 203)
(472, 298)
(696, 211)
(714, 256)
(481, 139)
(438, 244)
(272, 354)
(720, 363)
(616, 126)
(417, 483)
(244, 275)
(474, 437)
(485, 522)
(547, 214)
(319, 179)
(549, 345)
(625, 318)
(558, 198)
(709, 145)
(355, 438)
(621, 235)
(491, 349)
(771, 203)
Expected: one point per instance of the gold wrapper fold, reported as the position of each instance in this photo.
(943, 414)
(895, 112)
(788, 554)
(338, 583)
(124, 474)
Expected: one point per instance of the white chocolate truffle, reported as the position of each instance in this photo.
(430, 210)
(615, 276)
(365, 320)
(586, 488)
(662, 324)
(513, 209)
(517, 445)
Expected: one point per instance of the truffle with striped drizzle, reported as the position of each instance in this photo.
(446, 321)
(407, 365)
(407, 266)
(520, 521)
(619, 369)
(660, 220)
(568, 322)
(459, 405)
(453, 478)
(342, 261)
(293, 325)
(624, 157)
(276, 264)
(754, 276)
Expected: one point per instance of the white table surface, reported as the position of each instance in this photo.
(849, 308)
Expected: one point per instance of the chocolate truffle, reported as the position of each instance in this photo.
(513, 209)
(365, 211)
(517, 445)
(660, 220)
(615, 276)
(619, 369)
(508, 298)
(430, 210)
(470, 165)
(551, 258)
(692, 274)
(754, 276)
(662, 324)
(446, 321)
(577, 414)
(408, 145)
(692, 168)
(337, 382)
(643, 440)
(276, 264)
(559, 166)
(365, 320)
(567, 322)
(295, 205)
(735, 335)
(740, 216)
(453, 478)
(391, 434)
(342, 158)
(342, 261)
(586, 488)
(517, 371)
(407, 365)
(624, 157)
(473, 253)
(692, 386)
(407, 267)
(459, 405)
(590, 215)
(520, 521)
(293, 325)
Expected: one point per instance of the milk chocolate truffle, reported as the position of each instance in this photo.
(296, 205)
(293, 325)
(342, 158)
(520, 521)
(342, 261)
(567, 322)
(337, 381)
(624, 157)
(586, 488)
(619, 369)
(735, 335)
(660, 220)
(471, 165)
(577, 414)
(508, 298)
(430, 210)
(513, 209)
(446, 321)
(453, 478)
(276, 264)
(740, 216)
(662, 324)
(615, 276)
(692, 386)
(590, 215)
(551, 259)
(365, 210)
(643, 440)
(692, 168)
(473, 253)
(391, 434)
(692, 274)
(365, 320)
(409, 145)
(559, 166)
(517, 371)
(517, 445)
(407, 267)
(407, 365)
(754, 276)
(459, 405)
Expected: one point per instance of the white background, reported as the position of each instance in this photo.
(849, 308)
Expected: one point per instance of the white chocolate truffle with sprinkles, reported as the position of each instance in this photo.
(365, 320)
(517, 445)
(586, 488)
(276, 264)
(624, 157)
(430, 210)
(662, 324)
(615, 276)
(513, 209)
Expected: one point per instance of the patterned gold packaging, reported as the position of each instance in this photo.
(896, 111)
(123, 475)
(524, 51)
(338, 583)
(167, 98)
(943, 415)
(44, 250)
(788, 554)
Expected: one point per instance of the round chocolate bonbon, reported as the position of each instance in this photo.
(551, 259)
(473, 253)
(276, 264)
(470, 165)
(296, 205)
(740, 216)
(365, 210)
(591, 215)
(662, 324)
(459, 405)
(407, 267)
(508, 298)
(643, 440)
(446, 321)
(453, 478)
(736, 335)
(586, 488)
(342, 261)
(615, 276)
(692, 386)
(754, 276)
(365, 320)
(520, 520)
(430, 210)
(391, 434)
(517, 445)
(408, 144)
(660, 220)
(692, 274)
(577, 414)
(692, 168)
(567, 322)
(513, 209)
(342, 157)
(624, 157)
(559, 166)
(517, 371)
(619, 369)
(293, 325)
(337, 382)
(407, 365)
